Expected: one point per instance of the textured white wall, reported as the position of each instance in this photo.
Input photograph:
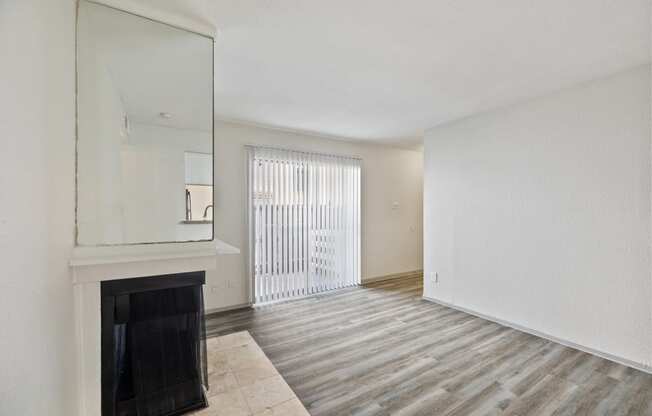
(539, 214)
(391, 239)
(37, 150)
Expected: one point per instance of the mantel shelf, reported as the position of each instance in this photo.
(92, 264)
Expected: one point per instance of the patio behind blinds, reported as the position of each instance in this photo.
(304, 222)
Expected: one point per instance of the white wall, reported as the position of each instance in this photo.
(539, 214)
(391, 239)
(37, 148)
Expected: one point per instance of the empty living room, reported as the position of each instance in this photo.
(326, 208)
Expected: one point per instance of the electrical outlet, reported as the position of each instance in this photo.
(434, 277)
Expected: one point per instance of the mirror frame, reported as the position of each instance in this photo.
(212, 130)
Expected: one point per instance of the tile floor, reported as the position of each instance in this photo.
(243, 382)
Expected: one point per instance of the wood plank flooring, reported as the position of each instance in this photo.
(381, 350)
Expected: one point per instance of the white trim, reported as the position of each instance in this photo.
(88, 255)
(413, 273)
(94, 264)
(227, 308)
(79, 260)
(80, 363)
(649, 358)
(88, 322)
(570, 344)
(249, 262)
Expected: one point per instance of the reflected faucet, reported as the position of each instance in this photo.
(206, 210)
(188, 206)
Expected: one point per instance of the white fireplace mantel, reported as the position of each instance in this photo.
(95, 264)
(92, 265)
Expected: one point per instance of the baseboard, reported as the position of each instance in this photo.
(301, 297)
(413, 273)
(227, 308)
(570, 344)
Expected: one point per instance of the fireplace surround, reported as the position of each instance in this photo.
(90, 266)
(153, 347)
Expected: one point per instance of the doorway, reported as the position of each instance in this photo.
(304, 223)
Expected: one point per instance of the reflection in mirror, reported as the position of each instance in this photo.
(199, 188)
(145, 130)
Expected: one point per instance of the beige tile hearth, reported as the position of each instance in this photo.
(267, 393)
(243, 382)
(292, 407)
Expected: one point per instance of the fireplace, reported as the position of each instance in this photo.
(153, 345)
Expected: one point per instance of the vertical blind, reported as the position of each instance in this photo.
(304, 222)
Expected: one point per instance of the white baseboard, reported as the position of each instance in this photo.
(413, 273)
(227, 308)
(570, 344)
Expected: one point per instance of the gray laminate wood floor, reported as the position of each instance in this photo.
(381, 350)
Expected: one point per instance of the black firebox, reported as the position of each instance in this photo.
(153, 345)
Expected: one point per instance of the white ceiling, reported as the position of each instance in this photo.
(386, 70)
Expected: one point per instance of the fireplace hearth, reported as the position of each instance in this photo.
(153, 345)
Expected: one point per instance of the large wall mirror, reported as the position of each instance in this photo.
(145, 130)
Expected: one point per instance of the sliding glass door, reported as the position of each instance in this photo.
(304, 222)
